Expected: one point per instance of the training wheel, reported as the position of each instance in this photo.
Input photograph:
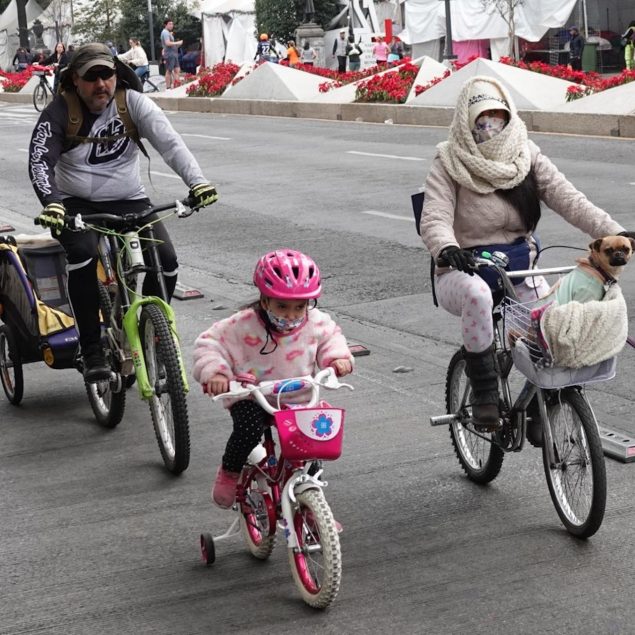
(208, 552)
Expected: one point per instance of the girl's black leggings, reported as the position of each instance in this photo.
(250, 421)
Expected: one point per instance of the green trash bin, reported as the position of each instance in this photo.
(589, 56)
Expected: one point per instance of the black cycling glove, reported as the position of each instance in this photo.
(459, 259)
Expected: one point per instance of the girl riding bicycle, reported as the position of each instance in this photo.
(278, 336)
(483, 193)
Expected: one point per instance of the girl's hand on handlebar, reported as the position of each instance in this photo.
(217, 385)
(342, 367)
(457, 258)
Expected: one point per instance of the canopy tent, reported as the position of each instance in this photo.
(425, 20)
(9, 37)
(229, 28)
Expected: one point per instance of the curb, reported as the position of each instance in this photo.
(584, 124)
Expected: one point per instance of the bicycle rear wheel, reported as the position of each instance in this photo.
(317, 564)
(480, 459)
(258, 521)
(11, 365)
(40, 98)
(107, 399)
(577, 479)
(168, 406)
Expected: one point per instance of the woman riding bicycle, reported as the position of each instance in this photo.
(278, 336)
(483, 193)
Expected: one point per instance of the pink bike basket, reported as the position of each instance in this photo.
(310, 433)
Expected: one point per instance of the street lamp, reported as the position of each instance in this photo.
(447, 53)
(151, 27)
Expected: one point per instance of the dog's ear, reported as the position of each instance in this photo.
(596, 244)
(632, 241)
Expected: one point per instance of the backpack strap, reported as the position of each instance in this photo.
(76, 118)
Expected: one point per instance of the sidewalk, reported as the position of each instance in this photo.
(609, 125)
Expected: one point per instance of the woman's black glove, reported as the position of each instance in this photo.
(627, 234)
(457, 258)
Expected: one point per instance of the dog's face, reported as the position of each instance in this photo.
(611, 253)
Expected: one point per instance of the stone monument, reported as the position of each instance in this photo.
(312, 33)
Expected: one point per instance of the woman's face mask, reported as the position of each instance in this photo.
(487, 127)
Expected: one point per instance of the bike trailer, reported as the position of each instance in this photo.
(33, 299)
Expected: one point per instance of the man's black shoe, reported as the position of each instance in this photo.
(95, 366)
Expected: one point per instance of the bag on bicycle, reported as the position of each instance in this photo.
(33, 300)
(519, 254)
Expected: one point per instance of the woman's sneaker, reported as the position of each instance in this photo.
(224, 490)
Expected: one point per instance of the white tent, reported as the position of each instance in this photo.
(9, 38)
(425, 21)
(229, 28)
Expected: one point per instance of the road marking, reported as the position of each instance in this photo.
(165, 174)
(386, 215)
(23, 150)
(204, 136)
(385, 156)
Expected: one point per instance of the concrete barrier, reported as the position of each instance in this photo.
(400, 114)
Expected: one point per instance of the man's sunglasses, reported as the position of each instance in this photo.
(93, 74)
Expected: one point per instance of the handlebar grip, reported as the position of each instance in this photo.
(441, 261)
(36, 220)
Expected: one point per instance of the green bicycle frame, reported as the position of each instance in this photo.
(131, 329)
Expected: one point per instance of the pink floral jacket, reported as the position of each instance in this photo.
(232, 347)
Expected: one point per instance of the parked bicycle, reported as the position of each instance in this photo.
(287, 490)
(149, 85)
(43, 93)
(141, 337)
(572, 452)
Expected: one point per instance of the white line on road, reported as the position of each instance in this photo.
(385, 156)
(386, 215)
(204, 136)
(23, 150)
(165, 174)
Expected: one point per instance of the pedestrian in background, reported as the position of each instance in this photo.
(396, 50)
(339, 50)
(307, 54)
(293, 54)
(381, 51)
(354, 53)
(58, 59)
(628, 42)
(576, 46)
(21, 59)
(170, 54)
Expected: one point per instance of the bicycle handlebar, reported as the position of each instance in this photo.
(325, 378)
(482, 263)
(129, 218)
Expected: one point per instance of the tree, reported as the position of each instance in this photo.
(506, 9)
(281, 18)
(97, 21)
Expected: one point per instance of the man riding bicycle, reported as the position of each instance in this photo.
(84, 158)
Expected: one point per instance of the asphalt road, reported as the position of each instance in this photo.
(97, 538)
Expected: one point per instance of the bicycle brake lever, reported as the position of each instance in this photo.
(78, 222)
(182, 211)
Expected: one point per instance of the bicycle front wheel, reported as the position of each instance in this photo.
(317, 564)
(168, 406)
(40, 98)
(577, 477)
(480, 459)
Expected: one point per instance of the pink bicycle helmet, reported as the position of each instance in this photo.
(287, 274)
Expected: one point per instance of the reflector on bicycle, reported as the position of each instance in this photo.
(310, 433)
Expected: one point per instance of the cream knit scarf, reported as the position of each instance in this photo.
(500, 163)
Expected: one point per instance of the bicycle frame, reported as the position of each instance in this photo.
(131, 302)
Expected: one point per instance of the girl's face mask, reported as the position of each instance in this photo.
(487, 127)
(283, 324)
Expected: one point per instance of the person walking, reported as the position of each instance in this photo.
(339, 51)
(381, 51)
(308, 55)
(354, 53)
(483, 193)
(136, 57)
(628, 40)
(97, 170)
(170, 52)
(21, 59)
(293, 53)
(58, 59)
(576, 46)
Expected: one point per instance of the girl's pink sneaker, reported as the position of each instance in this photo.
(224, 490)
